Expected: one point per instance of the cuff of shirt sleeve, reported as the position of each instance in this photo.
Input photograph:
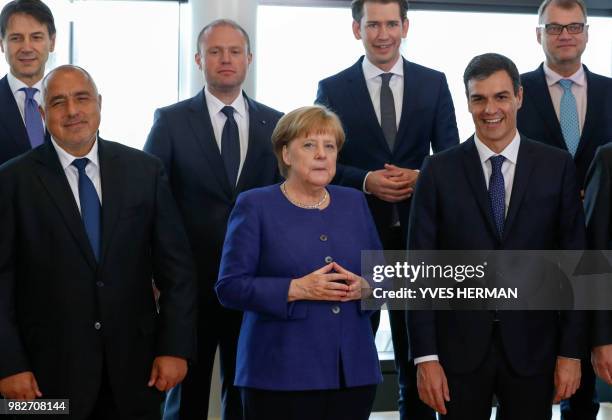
(363, 187)
(430, 358)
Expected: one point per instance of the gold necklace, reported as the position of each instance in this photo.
(302, 205)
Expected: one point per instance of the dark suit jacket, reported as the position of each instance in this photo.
(451, 211)
(598, 208)
(53, 292)
(302, 345)
(13, 135)
(537, 118)
(183, 138)
(428, 119)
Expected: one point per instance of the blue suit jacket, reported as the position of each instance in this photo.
(427, 120)
(182, 137)
(537, 118)
(451, 211)
(301, 345)
(13, 135)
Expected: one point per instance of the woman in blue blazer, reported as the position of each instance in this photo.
(291, 262)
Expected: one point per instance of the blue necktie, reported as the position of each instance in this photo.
(33, 119)
(497, 193)
(230, 146)
(568, 117)
(90, 206)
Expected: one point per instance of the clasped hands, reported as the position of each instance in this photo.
(330, 282)
(167, 372)
(392, 184)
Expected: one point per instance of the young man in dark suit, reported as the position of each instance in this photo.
(499, 190)
(27, 32)
(567, 106)
(393, 112)
(86, 225)
(214, 146)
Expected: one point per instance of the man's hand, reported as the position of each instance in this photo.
(402, 174)
(167, 372)
(389, 186)
(21, 386)
(432, 385)
(567, 378)
(601, 358)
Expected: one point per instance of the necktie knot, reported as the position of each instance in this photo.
(496, 162)
(566, 84)
(80, 164)
(29, 92)
(386, 77)
(228, 111)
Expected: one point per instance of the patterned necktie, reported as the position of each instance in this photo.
(90, 206)
(497, 193)
(230, 146)
(388, 121)
(568, 117)
(33, 119)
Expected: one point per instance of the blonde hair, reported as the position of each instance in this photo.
(302, 122)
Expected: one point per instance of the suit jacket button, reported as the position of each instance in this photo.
(99, 284)
(323, 237)
(97, 325)
(336, 309)
(328, 259)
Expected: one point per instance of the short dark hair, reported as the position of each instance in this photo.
(483, 66)
(224, 22)
(357, 7)
(564, 4)
(35, 8)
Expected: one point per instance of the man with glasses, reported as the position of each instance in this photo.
(564, 106)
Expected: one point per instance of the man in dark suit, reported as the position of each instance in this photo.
(214, 146)
(565, 106)
(86, 225)
(393, 111)
(500, 191)
(27, 32)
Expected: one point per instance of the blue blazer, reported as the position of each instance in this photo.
(537, 119)
(302, 345)
(427, 120)
(451, 211)
(14, 138)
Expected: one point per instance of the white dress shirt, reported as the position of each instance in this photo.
(72, 173)
(579, 89)
(508, 169)
(15, 84)
(218, 118)
(373, 81)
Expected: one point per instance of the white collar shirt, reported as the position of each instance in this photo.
(579, 89)
(373, 81)
(15, 85)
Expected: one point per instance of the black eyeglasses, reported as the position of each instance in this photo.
(556, 29)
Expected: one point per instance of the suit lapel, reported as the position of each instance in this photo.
(473, 170)
(595, 102)
(11, 118)
(409, 103)
(258, 144)
(199, 118)
(543, 103)
(53, 178)
(361, 99)
(111, 173)
(522, 172)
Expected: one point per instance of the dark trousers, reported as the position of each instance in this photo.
(519, 397)
(410, 405)
(217, 327)
(353, 403)
(584, 404)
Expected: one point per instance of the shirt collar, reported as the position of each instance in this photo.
(510, 152)
(553, 77)
(15, 84)
(370, 71)
(215, 105)
(66, 158)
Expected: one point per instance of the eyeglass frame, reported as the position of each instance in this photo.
(546, 27)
